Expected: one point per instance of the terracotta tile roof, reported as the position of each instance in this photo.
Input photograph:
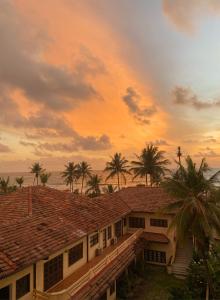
(102, 281)
(58, 219)
(144, 199)
(155, 237)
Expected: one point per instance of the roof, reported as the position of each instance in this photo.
(144, 199)
(155, 237)
(58, 219)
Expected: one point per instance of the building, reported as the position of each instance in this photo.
(55, 245)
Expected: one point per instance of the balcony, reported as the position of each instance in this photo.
(72, 284)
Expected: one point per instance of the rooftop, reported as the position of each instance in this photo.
(59, 218)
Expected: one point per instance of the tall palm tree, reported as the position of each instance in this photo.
(84, 171)
(93, 185)
(44, 177)
(117, 167)
(150, 162)
(196, 206)
(70, 175)
(37, 170)
(20, 181)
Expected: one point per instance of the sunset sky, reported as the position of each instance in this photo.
(82, 79)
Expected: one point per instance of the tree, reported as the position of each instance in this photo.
(109, 189)
(117, 167)
(20, 181)
(70, 175)
(44, 178)
(5, 187)
(150, 162)
(196, 206)
(179, 154)
(84, 171)
(37, 170)
(93, 185)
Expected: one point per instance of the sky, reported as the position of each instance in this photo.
(81, 80)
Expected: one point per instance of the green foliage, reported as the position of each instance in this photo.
(70, 175)
(118, 168)
(93, 185)
(36, 169)
(20, 181)
(109, 189)
(5, 186)
(44, 177)
(151, 162)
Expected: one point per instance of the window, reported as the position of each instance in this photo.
(159, 222)
(124, 222)
(5, 293)
(155, 256)
(94, 239)
(75, 253)
(109, 232)
(135, 222)
(53, 271)
(112, 288)
(118, 229)
(22, 286)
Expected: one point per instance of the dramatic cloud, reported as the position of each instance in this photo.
(185, 96)
(4, 148)
(186, 14)
(141, 114)
(23, 67)
(210, 153)
(79, 143)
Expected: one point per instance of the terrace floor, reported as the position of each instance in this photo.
(71, 279)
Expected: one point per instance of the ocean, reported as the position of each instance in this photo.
(56, 180)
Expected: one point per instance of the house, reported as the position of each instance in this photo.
(55, 245)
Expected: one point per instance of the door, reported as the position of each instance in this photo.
(53, 271)
(5, 293)
(105, 238)
(118, 229)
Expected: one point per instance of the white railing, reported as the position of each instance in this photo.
(94, 271)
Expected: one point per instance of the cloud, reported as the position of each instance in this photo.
(159, 142)
(43, 122)
(186, 14)
(185, 96)
(141, 114)
(207, 152)
(23, 67)
(4, 148)
(89, 143)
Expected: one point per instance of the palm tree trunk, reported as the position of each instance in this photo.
(207, 292)
(146, 180)
(118, 181)
(37, 179)
(82, 184)
(34, 180)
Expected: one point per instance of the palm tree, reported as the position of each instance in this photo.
(151, 162)
(196, 206)
(117, 167)
(109, 189)
(20, 181)
(44, 178)
(4, 185)
(84, 171)
(37, 170)
(179, 154)
(94, 186)
(70, 175)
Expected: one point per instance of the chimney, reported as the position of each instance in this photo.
(30, 201)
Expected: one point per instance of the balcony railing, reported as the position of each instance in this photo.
(94, 271)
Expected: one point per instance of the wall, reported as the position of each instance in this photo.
(11, 280)
(66, 269)
(170, 248)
